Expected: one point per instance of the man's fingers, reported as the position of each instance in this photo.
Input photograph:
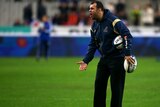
(80, 62)
(83, 65)
(82, 68)
(131, 61)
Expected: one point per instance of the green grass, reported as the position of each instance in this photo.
(24, 82)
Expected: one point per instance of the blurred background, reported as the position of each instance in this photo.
(20, 19)
(57, 82)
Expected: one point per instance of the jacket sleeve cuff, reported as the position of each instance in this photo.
(85, 61)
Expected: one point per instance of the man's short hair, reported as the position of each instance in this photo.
(99, 4)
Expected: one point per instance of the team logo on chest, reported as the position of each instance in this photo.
(105, 29)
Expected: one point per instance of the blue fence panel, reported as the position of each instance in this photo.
(70, 46)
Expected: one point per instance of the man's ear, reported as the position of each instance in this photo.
(99, 9)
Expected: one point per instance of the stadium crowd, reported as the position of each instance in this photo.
(71, 12)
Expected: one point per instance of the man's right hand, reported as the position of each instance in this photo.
(83, 65)
(130, 59)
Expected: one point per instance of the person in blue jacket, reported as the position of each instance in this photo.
(44, 37)
(105, 28)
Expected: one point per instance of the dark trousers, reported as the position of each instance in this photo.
(113, 68)
(43, 48)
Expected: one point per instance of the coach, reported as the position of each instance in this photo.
(105, 28)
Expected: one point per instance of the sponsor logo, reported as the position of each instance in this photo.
(105, 29)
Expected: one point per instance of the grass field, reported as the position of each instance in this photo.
(24, 82)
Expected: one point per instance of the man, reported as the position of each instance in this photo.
(44, 38)
(104, 29)
(28, 14)
(41, 9)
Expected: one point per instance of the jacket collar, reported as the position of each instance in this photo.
(106, 14)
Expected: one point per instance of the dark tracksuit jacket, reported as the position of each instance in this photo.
(110, 65)
(102, 35)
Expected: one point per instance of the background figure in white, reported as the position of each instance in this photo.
(147, 16)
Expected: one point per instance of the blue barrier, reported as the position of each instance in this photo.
(70, 46)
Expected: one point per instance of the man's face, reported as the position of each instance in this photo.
(93, 11)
